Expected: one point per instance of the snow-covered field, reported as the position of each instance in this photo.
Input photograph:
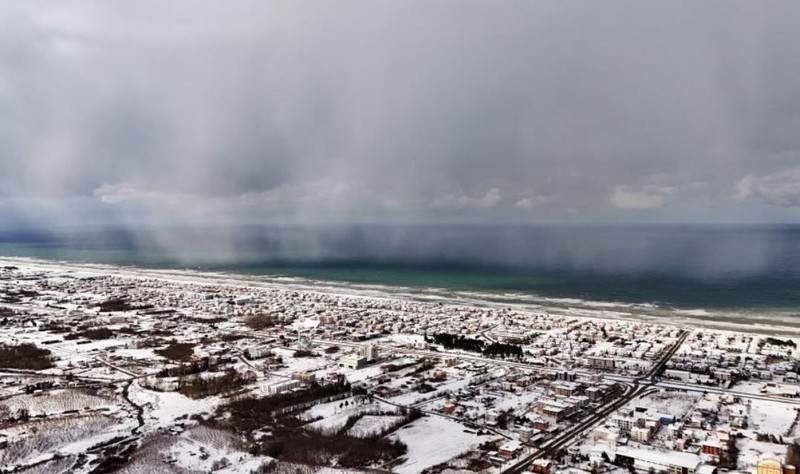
(162, 408)
(334, 415)
(55, 402)
(751, 450)
(206, 449)
(669, 403)
(516, 402)
(433, 440)
(448, 387)
(298, 364)
(199, 449)
(371, 425)
(41, 440)
(771, 417)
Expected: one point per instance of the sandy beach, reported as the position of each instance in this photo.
(740, 320)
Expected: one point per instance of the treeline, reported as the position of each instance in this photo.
(300, 353)
(454, 341)
(457, 341)
(320, 448)
(777, 342)
(25, 357)
(424, 365)
(793, 453)
(499, 349)
(260, 321)
(119, 304)
(408, 415)
(177, 351)
(92, 333)
(191, 368)
(316, 449)
(257, 411)
(201, 387)
(55, 327)
(289, 443)
(202, 320)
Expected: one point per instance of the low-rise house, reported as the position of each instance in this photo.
(510, 449)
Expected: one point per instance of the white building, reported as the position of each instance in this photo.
(640, 435)
(283, 386)
(672, 462)
(353, 361)
(369, 352)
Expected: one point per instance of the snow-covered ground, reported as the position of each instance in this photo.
(162, 408)
(334, 415)
(56, 402)
(668, 403)
(771, 417)
(40, 440)
(451, 386)
(371, 425)
(198, 449)
(203, 449)
(750, 451)
(765, 388)
(433, 440)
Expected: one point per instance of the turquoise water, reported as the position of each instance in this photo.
(669, 267)
(663, 291)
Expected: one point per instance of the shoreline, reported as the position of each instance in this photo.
(749, 321)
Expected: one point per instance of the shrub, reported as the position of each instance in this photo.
(97, 333)
(177, 351)
(200, 387)
(259, 322)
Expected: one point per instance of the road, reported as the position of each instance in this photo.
(632, 388)
(651, 376)
(630, 391)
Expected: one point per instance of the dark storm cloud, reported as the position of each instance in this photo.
(201, 112)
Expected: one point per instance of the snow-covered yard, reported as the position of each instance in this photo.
(669, 403)
(771, 417)
(750, 451)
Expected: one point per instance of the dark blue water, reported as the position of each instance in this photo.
(746, 267)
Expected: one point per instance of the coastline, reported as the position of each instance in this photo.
(736, 320)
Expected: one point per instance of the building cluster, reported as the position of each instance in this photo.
(724, 400)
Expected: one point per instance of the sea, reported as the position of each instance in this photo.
(743, 274)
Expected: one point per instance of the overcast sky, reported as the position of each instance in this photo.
(404, 111)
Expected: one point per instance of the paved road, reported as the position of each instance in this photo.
(630, 391)
(551, 446)
(651, 376)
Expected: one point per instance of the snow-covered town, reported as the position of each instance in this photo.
(110, 370)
